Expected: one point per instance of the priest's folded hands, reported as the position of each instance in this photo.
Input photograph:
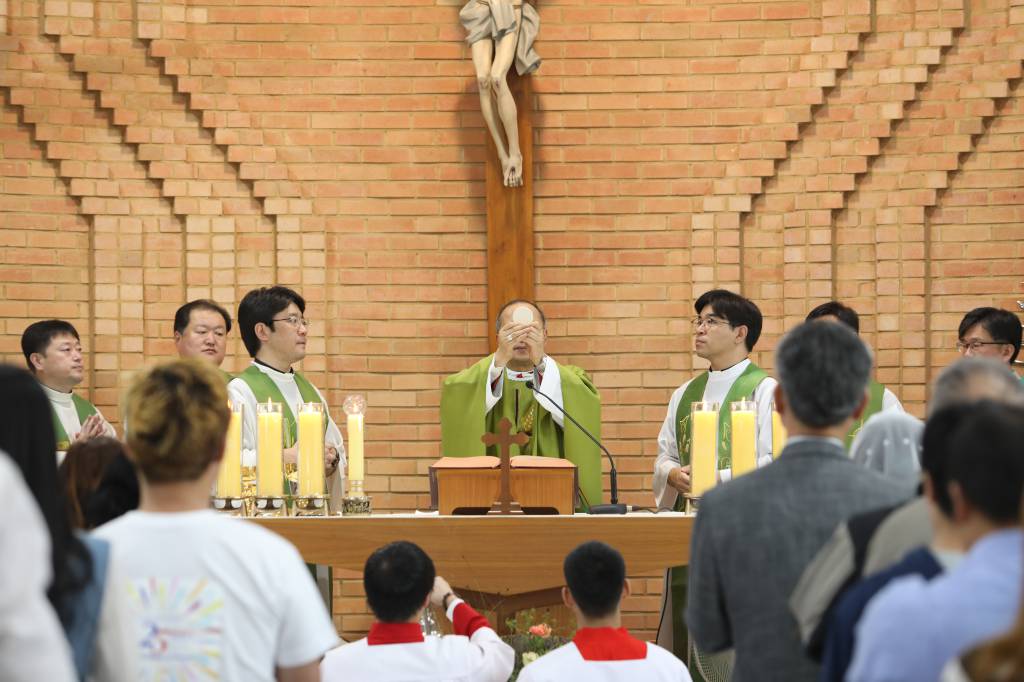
(331, 457)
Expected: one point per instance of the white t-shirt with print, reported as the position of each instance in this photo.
(209, 597)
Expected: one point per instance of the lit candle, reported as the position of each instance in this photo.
(744, 437)
(703, 449)
(779, 434)
(311, 449)
(355, 408)
(229, 479)
(269, 435)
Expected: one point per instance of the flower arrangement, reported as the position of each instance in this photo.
(530, 639)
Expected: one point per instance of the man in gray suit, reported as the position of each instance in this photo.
(754, 536)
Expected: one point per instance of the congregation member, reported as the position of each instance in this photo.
(53, 353)
(201, 330)
(209, 596)
(76, 563)
(753, 536)
(275, 330)
(726, 329)
(474, 400)
(913, 627)
(871, 542)
(32, 644)
(890, 443)
(116, 494)
(880, 399)
(81, 473)
(400, 582)
(928, 561)
(596, 584)
(990, 333)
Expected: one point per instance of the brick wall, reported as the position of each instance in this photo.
(796, 150)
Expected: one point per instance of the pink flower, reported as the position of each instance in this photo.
(542, 630)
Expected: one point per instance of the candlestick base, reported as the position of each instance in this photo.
(356, 506)
(314, 505)
(691, 504)
(230, 506)
(267, 507)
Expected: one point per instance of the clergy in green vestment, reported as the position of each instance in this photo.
(474, 400)
(201, 330)
(990, 333)
(880, 398)
(726, 328)
(53, 352)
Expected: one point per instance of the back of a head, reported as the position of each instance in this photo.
(117, 494)
(843, 313)
(890, 443)
(987, 460)
(595, 574)
(178, 414)
(82, 470)
(969, 380)
(734, 308)
(397, 579)
(823, 369)
(26, 434)
(936, 451)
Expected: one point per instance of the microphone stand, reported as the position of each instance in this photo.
(613, 474)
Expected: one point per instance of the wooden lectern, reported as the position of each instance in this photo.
(469, 485)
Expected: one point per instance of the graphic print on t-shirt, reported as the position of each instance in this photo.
(179, 628)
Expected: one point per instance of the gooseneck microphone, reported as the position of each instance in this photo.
(614, 507)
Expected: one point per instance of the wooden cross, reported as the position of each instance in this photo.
(503, 439)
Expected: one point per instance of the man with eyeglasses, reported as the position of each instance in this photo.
(990, 333)
(726, 328)
(200, 331)
(274, 332)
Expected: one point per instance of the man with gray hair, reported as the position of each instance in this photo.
(777, 517)
(872, 542)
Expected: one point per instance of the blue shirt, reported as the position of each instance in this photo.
(913, 627)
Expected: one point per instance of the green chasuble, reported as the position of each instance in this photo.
(876, 394)
(264, 388)
(84, 409)
(228, 376)
(742, 389)
(464, 422)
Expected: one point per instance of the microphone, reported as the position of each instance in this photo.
(614, 507)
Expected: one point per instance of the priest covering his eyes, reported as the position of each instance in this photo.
(477, 398)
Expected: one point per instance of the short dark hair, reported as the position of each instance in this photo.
(595, 573)
(397, 579)
(823, 369)
(843, 313)
(497, 319)
(736, 309)
(987, 461)
(1002, 325)
(261, 305)
(184, 314)
(936, 450)
(38, 335)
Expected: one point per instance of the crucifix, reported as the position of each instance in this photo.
(504, 440)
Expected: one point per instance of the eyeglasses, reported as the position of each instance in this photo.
(295, 321)
(709, 322)
(974, 345)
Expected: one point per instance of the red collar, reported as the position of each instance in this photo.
(394, 633)
(608, 644)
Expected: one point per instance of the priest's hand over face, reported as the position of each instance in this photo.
(441, 588)
(510, 336)
(535, 342)
(679, 478)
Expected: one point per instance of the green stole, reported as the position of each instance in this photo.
(83, 408)
(264, 388)
(742, 389)
(876, 394)
(228, 376)
(464, 421)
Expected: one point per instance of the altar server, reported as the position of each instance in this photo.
(603, 650)
(400, 583)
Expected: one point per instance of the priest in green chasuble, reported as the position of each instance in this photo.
(477, 398)
(274, 331)
(726, 328)
(201, 331)
(53, 352)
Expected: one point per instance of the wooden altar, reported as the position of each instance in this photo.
(500, 564)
